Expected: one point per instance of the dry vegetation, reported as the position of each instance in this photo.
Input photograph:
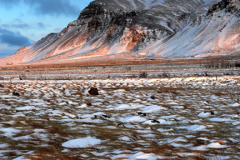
(129, 69)
(163, 118)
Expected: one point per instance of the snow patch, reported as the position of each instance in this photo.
(82, 142)
(216, 145)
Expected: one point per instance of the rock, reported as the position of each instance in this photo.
(220, 142)
(142, 114)
(16, 93)
(103, 115)
(22, 77)
(93, 91)
(154, 121)
(1, 86)
(89, 104)
(212, 113)
(120, 125)
(106, 116)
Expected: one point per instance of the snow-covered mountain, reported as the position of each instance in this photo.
(138, 28)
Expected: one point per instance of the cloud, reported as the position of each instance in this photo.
(53, 7)
(45, 7)
(13, 39)
(22, 26)
(41, 25)
(9, 3)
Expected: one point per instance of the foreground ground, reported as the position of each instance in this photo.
(163, 118)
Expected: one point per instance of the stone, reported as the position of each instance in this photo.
(16, 93)
(142, 114)
(93, 92)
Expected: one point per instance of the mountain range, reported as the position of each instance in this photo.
(140, 29)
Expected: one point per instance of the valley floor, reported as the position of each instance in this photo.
(121, 69)
(150, 118)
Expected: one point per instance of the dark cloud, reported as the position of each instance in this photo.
(53, 7)
(13, 39)
(9, 3)
(46, 7)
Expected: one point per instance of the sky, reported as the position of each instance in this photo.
(24, 22)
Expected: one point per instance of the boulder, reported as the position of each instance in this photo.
(93, 91)
(16, 93)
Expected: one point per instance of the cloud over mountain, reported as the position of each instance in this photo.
(46, 7)
(13, 38)
(53, 7)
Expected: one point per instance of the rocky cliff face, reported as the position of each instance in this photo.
(160, 28)
(214, 33)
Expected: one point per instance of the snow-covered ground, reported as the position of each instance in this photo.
(163, 118)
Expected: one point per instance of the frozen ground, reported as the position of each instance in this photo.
(168, 118)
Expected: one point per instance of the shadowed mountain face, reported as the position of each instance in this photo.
(138, 28)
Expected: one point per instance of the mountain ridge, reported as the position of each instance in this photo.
(156, 29)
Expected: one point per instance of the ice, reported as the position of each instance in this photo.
(123, 106)
(4, 145)
(133, 119)
(143, 156)
(204, 114)
(194, 128)
(149, 122)
(27, 137)
(234, 105)
(23, 157)
(234, 140)
(9, 132)
(5, 107)
(82, 142)
(125, 138)
(26, 108)
(178, 107)
(179, 139)
(153, 108)
(164, 130)
(120, 90)
(187, 154)
(214, 97)
(200, 148)
(216, 145)
(220, 119)
(82, 106)
(69, 115)
(120, 156)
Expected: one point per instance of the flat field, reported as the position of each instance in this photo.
(120, 69)
(131, 118)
